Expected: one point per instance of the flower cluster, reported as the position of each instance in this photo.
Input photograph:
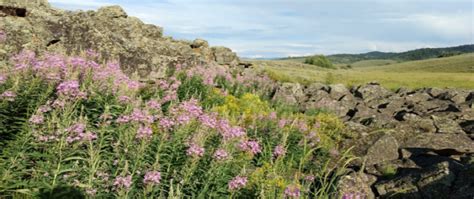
(221, 154)
(79, 133)
(70, 90)
(144, 132)
(137, 115)
(195, 150)
(292, 191)
(250, 146)
(237, 183)
(279, 151)
(3, 79)
(123, 182)
(152, 178)
(8, 96)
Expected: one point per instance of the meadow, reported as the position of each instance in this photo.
(449, 72)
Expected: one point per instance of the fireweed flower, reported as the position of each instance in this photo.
(220, 154)
(282, 123)
(3, 79)
(37, 119)
(195, 150)
(153, 104)
(8, 96)
(166, 123)
(279, 151)
(272, 116)
(309, 178)
(144, 132)
(70, 89)
(152, 178)
(237, 183)
(292, 191)
(250, 146)
(208, 120)
(124, 99)
(123, 182)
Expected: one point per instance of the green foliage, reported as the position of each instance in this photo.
(319, 60)
(56, 167)
(31, 93)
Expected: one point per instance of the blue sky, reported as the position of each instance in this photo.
(279, 28)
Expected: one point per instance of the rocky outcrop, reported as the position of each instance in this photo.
(414, 143)
(141, 48)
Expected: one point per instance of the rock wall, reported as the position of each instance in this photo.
(141, 48)
(410, 143)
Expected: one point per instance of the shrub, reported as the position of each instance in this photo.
(319, 60)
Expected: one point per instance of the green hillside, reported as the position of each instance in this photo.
(461, 63)
(456, 71)
(418, 54)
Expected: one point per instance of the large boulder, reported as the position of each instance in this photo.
(356, 184)
(141, 48)
(384, 149)
(441, 142)
(225, 56)
(435, 182)
(289, 93)
(445, 125)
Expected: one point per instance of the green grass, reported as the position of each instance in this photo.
(456, 72)
(374, 62)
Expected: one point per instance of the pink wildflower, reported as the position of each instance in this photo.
(123, 182)
(208, 120)
(292, 191)
(3, 79)
(282, 123)
(8, 96)
(166, 123)
(37, 119)
(250, 146)
(44, 109)
(221, 154)
(237, 183)
(124, 99)
(195, 150)
(152, 178)
(153, 104)
(272, 116)
(144, 132)
(279, 151)
(309, 178)
(70, 89)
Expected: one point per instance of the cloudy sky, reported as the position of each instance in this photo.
(278, 28)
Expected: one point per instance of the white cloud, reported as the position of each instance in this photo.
(448, 25)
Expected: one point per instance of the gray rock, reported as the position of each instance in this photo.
(289, 93)
(198, 43)
(384, 149)
(435, 182)
(356, 184)
(445, 125)
(112, 12)
(439, 141)
(337, 91)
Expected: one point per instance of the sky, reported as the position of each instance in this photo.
(282, 28)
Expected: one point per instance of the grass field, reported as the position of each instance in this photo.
(456, 71)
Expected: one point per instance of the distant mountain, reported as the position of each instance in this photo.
(418, 54)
